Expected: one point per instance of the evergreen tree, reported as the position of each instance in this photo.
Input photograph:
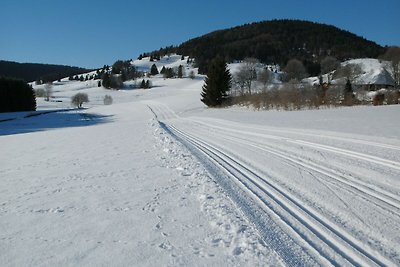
(106, 80)
(143, 84)
(180, 71)
(348, 93)
(16, 95)
(217, 84)
(147, 85)
(162, 70)
(154, 70)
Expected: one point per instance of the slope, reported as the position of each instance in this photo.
(278, 41)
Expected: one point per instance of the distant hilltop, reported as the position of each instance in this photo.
(34, 71)
(276, 42)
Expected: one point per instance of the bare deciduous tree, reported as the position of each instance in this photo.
(329, 64)
(265, 77)
(107, 100)
(348, 71)
(78, 99)
(247, 74)
(294, 70)
(393, 55)
(48, 91)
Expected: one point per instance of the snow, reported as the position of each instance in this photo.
(171, 61)
(157, 178)
(373, 71)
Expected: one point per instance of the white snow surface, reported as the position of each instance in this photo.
(373, 71)
(158, 179)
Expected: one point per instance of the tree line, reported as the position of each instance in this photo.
(276, 42)
(16, 95)
(42, 73)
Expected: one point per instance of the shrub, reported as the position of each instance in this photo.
(107, 100)
(78, 99)
(40, 92)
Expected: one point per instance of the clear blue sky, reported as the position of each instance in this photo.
(90, 34)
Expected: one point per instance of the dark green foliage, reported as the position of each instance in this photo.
(145, 84)
(16, 95)
(217, 84)
(32, 71)
(154, 70)
(162, 70)
(348, 93)
(106, 80)
(169, 73)
(278, 41)
(180, 71)
(99, 84)
(125, 69)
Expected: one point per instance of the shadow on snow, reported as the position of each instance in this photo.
(51, 120)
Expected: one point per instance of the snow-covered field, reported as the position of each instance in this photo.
(157, 179)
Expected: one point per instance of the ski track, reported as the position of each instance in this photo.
(316, 235)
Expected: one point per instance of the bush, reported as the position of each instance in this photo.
(40, 92)
(107, 100)
(78, 99)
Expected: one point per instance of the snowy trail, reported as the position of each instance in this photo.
(318, 226)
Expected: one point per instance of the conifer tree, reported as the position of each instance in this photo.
(180, 71)
(348, 93)
(162, 70)
(143, 84)
(106, 80)
(217, 84)
(154, 70)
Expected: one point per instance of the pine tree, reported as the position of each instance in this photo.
(217, 84)
(348, 93)
(154, 70)
(180, 71)
(106, 80)
(162, 70)
(143, 84)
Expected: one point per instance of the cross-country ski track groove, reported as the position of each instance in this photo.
(326, 242)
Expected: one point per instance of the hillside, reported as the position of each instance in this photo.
(32, 71)
(278, 41)
(158, 179)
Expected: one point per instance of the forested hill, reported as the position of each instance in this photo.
(278, 41)
(33, 71)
